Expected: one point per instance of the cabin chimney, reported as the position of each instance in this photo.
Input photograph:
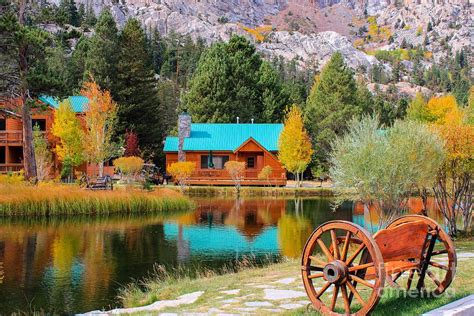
(238, 120)
(184, 131)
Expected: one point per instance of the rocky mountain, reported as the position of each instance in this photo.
(310, 30)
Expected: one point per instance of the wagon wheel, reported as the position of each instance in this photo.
(341, 266)
(440, 274)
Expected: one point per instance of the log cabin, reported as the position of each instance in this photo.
(11, 133)
(210, 146)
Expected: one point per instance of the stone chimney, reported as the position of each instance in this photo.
(184, 131)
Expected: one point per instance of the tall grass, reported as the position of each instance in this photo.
(56, 199)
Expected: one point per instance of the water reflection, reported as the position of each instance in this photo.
(77, 264)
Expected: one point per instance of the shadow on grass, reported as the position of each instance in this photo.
(396, 302)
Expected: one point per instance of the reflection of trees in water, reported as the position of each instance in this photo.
(71, 267)
(375, 218)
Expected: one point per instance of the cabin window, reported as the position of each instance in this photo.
(217, 161)
(251, 162)
(3, 153)
(3, 124)
(41, 124)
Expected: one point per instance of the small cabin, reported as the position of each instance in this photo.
(211, 145)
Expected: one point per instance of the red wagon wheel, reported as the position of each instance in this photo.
(441, 273)
(330, 268)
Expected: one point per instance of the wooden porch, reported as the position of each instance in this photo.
(11, 137)
(10, 167)
(222, 177)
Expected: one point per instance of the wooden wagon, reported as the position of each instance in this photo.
(341, 255)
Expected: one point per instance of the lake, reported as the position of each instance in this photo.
(77, 264)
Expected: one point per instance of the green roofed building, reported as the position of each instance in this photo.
(210, 146)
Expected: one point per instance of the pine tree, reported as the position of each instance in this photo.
(102, 54)
(22, 57)
(74, 18)
(229, 83)
(274, 97)
(89, 19)
(136, 93)
(330, 105)
(77, 64)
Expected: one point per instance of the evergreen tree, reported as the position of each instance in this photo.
(77, 64)
(225, 85)
(102, 54)
(89, 18)
(136, 93)
(23, 51)
(330, 105)
(63, 13)
(232, 81)
(274, 97)
(74, 18)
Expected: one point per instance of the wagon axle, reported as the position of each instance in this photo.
(336, 272)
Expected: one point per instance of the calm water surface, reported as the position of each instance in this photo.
(68, 265)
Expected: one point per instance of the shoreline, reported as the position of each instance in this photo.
(271, 289)
(249, 191)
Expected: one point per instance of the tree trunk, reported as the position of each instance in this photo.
(29, 161)
(101, 168)
(424, 200)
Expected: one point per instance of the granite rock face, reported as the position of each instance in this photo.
(309, 30)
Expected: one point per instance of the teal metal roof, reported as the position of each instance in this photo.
(78, 102)
(226, 137)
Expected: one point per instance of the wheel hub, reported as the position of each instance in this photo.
(335, 272)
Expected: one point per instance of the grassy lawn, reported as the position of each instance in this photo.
(252, 283)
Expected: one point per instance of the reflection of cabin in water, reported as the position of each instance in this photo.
(210, 146)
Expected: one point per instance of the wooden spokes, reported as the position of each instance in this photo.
(335, 260)
(440, 262)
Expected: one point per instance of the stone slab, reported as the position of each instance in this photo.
(462, 307)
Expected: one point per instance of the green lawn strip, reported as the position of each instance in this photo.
(229, 191)
(391, 303)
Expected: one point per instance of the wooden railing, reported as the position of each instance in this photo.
(7, 137)
(10, 167)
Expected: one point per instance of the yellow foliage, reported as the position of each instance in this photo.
(444, 110)
(129, 165)
(359, 43)
(407, 27)
(428, 55)
(67, 128)
(459, 141)
(292, 234)
(373, 27)
(265, 173)
(419, 30)
(259, 33)
(13, 178)
(181, 171)
(404, 54)
(294, 145)
(100, 114)
(385, 32)
(236, 169)
(376, 32)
